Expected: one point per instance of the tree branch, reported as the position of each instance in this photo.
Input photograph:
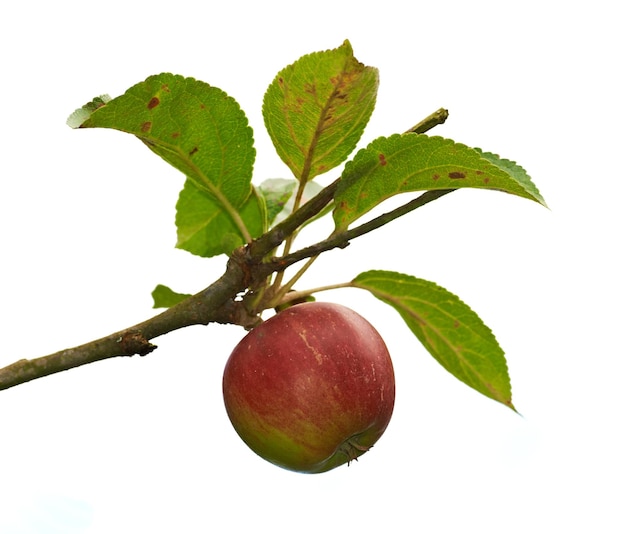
(342, 239)
(438, 117)
(218, 302)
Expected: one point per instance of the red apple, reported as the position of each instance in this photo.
(311, 388)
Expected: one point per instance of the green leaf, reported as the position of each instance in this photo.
(205, 229)
(164, 297)
(453, 334)
(197, 128)
(412, 162)
(316, 109)
(276, 192)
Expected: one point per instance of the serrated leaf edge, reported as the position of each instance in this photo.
(400, 308)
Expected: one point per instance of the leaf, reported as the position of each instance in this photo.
(164, 297)
(197, 128)
(453, 334)
(412, 162)
(276, 192)
(205, 229)
(316, 109)
(83, 113)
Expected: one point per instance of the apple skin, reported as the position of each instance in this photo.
(311, 388)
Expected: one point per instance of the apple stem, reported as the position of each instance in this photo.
(295, 295)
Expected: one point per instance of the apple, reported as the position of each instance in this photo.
(311, 388)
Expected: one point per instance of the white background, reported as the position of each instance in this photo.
(135, 445)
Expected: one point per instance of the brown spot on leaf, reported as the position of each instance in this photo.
(479, 173)
(456, 175)
(154, 102)
(165, 88)
(381, 158)
(145, 127)
(175, 135)
(486, 180)
(436, 177)
(193, 151)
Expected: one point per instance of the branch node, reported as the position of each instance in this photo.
(134, 342)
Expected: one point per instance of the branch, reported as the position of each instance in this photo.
(218, 302)
(342, 239)
(438, 117)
